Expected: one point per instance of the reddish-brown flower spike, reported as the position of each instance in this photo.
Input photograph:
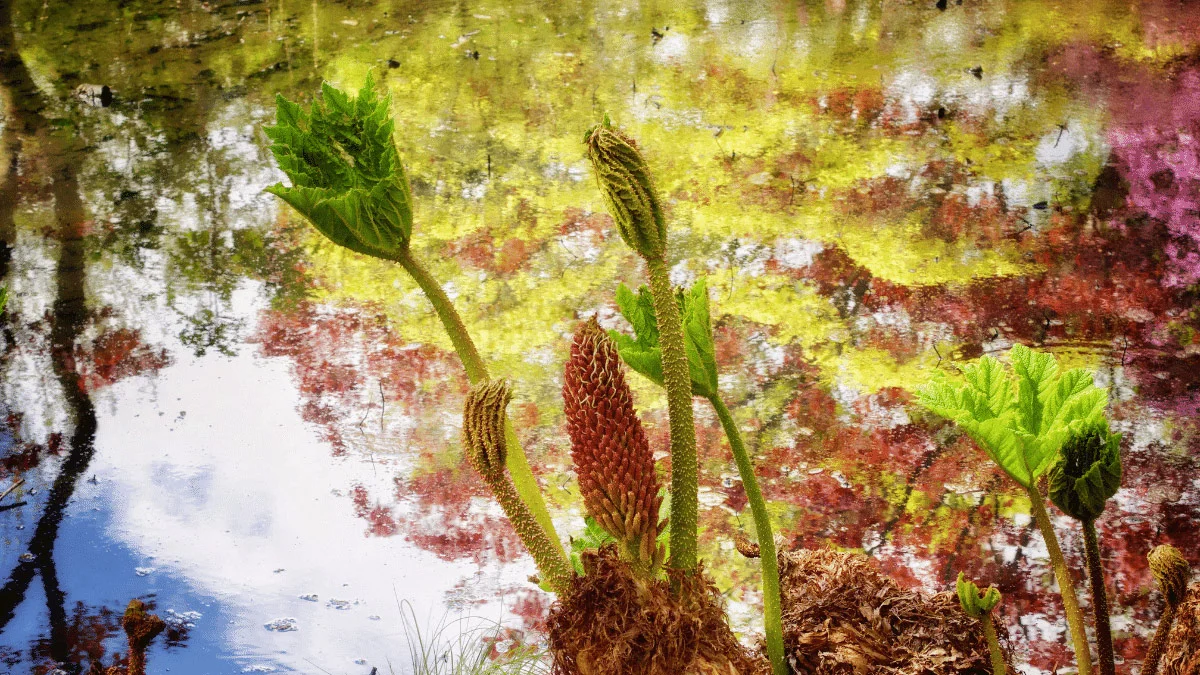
(609, 447)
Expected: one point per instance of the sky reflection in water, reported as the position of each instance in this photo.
(873, 194)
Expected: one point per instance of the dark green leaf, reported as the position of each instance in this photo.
(347, 178)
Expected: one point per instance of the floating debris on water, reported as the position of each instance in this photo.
(311, 597)
(186, 619)
(143, 571)
(284, 625)
(340, 604)
(28, 557)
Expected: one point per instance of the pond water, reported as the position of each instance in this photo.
(214, 409)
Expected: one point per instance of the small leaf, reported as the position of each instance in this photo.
(974, 602)
(642, 352)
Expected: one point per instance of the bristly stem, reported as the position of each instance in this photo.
(772, 612)
(1066, 587)
(677, 379)
(547, 553)
(476, 370)
(518, 464)
(1099, 598)
(989, 633)
(1159, 644)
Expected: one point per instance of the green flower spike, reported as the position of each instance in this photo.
(1171, 571)
(624, 180)
(485, 445)
(979, 605)
(347, 179)
(1087, 473)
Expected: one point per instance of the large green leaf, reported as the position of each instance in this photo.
(347, 178)
(642, 351)
(1020, 416)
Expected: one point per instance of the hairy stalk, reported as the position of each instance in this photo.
(549, 556)
(1171, 571)
(1066, 587)
(485, 444)
(1159, 644)
(989, 632)
(1099, 598)
(518, 464)
(678, 381)
(772, 619)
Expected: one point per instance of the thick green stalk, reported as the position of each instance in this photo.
(677, 379)
(455, 329)
(989, 632)
(547, 553)
(1066, 587)
(518, 465)
(1099, 598)
(772, 613)
(1159, 644)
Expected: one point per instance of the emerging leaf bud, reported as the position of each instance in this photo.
(974, 602)
(347, 179)
(1087, 473)
(624, 180)
(609, 447)
(483, 426)
(1171, 571)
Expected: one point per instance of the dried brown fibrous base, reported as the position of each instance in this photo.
(613, 622)
(1182, 656)
(842, 616)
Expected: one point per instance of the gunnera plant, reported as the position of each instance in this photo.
(643, 353)
(349, 182)
(1021, 418)
(621, 616)
(1086, 474)
(979, 605)
(141, 627)
(609, 449)
(624, 181)
(485, 445)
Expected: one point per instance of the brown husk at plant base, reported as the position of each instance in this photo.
(612, 622)
(842, 616)
(1183, 642)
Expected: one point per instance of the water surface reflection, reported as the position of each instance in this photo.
(213, 408)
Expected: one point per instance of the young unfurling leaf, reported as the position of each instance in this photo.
(347, 179)
(975, 602)
(1020, 417)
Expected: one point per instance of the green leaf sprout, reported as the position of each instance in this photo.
(346, 174)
